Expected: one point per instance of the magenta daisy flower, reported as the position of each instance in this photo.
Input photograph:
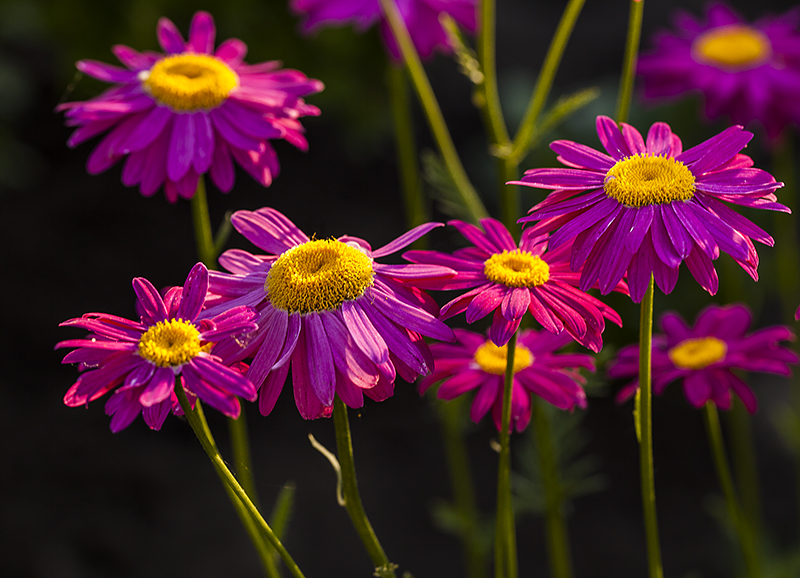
(704, 356)
(421, 18)
(477, 363)
(191, 111)
(143, 358)
(648, 205)
(744, 71)
(346, 324)
(510, 280)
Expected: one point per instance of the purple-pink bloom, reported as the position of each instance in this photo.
(142, 359)
(648, 205)
(748, 72)
(345, 324)
(474, 362)
(510, 279)
(704, 356)
(420, 16)
(191, 111)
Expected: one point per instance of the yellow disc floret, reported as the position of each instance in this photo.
(318, 276)
(170, 343)
(516, 268)
(698, 353)
(645, 179)
(493, 359)
(187, 82)
(734, 47)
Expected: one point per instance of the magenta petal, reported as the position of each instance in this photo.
(611, 138)
(308, 404)
(271, 389)
(181, 146)
(105, 72)
(363, 332)
(515, 303)
(123, 407)
(319, 359)
(579, 155)
(405, 239)
(169, 37)
(201, 33)
(149, 299)
(155, 415)
(148, 129)
(485, 302)
(159, 388)
(502, 329)
(659, 139)
(222, 171)
(231, 51)
(194, 293)
(697, 389)
(204, 143)
(271, 347)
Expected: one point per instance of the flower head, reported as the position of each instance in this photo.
(744, 71)
(421, 18)
(142, 359)
(510, 280)
(648, 205)
(344, 323)
(705, 355)
(193, 110)
(477, 363)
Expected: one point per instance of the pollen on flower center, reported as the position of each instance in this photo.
(698, 353)
(734, 47)
(493, 359)
(645, 179)
(318, 276)
(516, 268)
(170, 343)
(187, 82)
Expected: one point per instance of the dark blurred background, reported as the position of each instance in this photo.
(78, 501)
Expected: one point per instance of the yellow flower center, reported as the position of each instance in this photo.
(493, 359)
(734, 47)
(516, 268)
(645, 179)
(697, 353)
(170, 343)
(189, 82)
(318, 276)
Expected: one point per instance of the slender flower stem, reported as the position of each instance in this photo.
(629, 66)
(469, 197)
(486, 56)
(505, 564)
(344, 447)
(740, 523)
(522, 140)
(745, 463)
(557, 538)
(249, 514)
(645, 428)
(237, 428)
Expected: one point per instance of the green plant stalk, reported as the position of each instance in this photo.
(413, 199)
(740, 523)
(451, 416)
(629, 65)
(251, 518)
(505, 534)
(237, 428)
(645, 427)
(486, 57)
(522, 140)
(469, 197)
(557, 538)
(344, 449)
(745, 463)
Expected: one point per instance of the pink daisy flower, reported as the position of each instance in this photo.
(143, 358)
(704, 356)
(648, 205)
(510, 280)
(344, 323)
(190, 111)
(421, 18)
(474, 362)
(744, 71)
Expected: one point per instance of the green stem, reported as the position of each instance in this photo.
(557, 538)
(745, 463)
(251, 518)
(202, 226)
(743, 529)
(644, 416)
(522, 140)
(413, 199)
(486, 56)
(469, 197)
(344, 446)
(241, 454)
(629, 66)
(505, 539)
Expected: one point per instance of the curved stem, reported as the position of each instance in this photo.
(557, 538)
(645, 428)
(505, 538)
(204, 239)
(433, 113)
(344, 447)
(242, 503)
(629, 66)
(486, 56)
(740, 523)
(522, 140)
